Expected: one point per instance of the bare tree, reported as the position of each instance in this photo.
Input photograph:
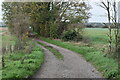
(115, 24)
(119, 54)
(107, 6)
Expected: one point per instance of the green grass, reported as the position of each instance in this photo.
(7, 40)
(107, 66)
(97, 35)
(98, 38)
(1, 31)
(53, 50)
(21, 65)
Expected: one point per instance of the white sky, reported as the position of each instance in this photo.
(98, 14)
(0, 11)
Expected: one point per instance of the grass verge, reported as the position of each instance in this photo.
(21, 65)
(107, 66)
(53, 50)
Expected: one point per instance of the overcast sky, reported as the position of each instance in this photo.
(97, 13)
(0, 11)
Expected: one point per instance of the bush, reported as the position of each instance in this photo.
(71, 35)
(78, 38)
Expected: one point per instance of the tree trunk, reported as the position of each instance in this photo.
(119, 54)
(110, 31)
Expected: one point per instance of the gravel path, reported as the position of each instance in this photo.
(73, 65)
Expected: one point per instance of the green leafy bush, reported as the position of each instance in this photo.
(71, 35)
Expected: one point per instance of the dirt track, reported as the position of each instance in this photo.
(73, 65)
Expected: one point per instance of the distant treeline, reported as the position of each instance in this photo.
(2, 24)
(99, 25)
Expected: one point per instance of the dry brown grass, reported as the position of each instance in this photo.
(3, 29)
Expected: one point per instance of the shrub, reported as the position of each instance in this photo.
(79, 37)
(71, 35)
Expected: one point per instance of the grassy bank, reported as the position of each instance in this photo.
(21, 63)
(107, 66)
(53, 50)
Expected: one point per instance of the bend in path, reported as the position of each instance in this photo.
(73, 65)
(50, 66)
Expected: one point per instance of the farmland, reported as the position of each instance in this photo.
(96, 35)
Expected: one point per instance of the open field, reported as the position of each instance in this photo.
(98, 38)
(97, 35)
